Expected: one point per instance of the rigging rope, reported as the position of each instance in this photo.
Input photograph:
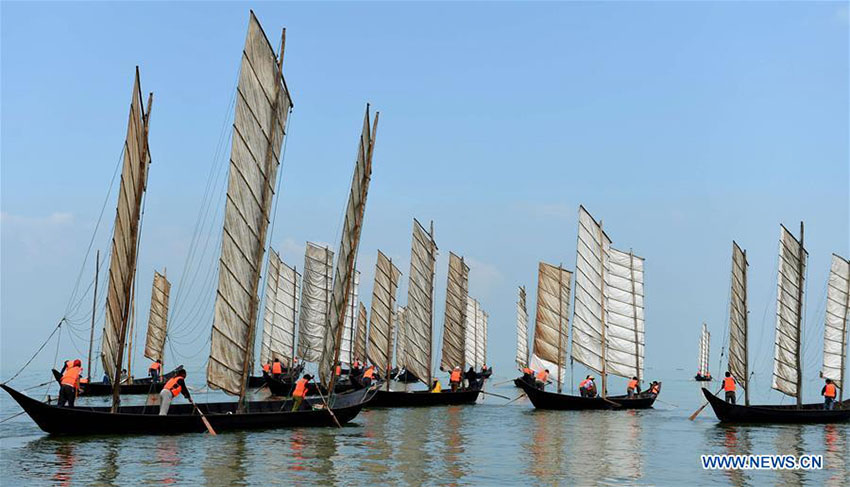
(58, 327)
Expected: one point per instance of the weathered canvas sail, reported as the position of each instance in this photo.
(624, 318)
(262, 107)
(281, 303)
(400, 337)
(481, 338)
(521, 330)
(350, 241)
(786, 357)
(360, 336)
(589, 310)
(551, 326)
(738, 365)
(835, 328)
(470, 350)
(346, 350)
(418, 317)
(381, 329)
(158, 319)
(704, 343)
(122, 265)
(457, 288)
(315, 299)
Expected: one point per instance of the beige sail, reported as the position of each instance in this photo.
(704, 343)
(470, 349)
(158, 319)
(381, 320)
(346, 349)
(738, 362)
(481, 339)
(360, 335)
(125, 237)
(551, 325)
(262, 107)
(457, 289)
(521, 330)
(837, 313)
(281, 303)
(791, 276)
(418, 317)
(347, 254)
(400, 323)
(315, 299)
(624, 316)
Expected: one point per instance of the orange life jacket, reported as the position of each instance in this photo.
(69, 378)
(277, 368)
(455, 377)
(527, 371)
(584, 383)
(633, 384)
(543, 376)
(300, 388)
(369, 373)
(173, 386)
(338, 370)
(267, 368)
(155, 366)
(729, 384)
(655, 388)
(830, 391)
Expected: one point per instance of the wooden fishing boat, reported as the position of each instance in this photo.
(139, 386)
(553, 400)
(182, 418)
(404, 376)
(284, 388)
(774, 414)
(703, 374)
(402, 399)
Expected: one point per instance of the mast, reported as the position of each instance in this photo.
(389, 332)
(635, 308)
(844, 342)
(431, 312)
(560, 326)
(604, 372)
(799, 318)
(93, 310)
(294, 308)
(746, 336)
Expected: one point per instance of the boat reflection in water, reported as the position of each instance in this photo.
(65, 461)
(107, 473)
(546, 447)
(224, 462)
(789, 441)
(836, 447)
(736, 441)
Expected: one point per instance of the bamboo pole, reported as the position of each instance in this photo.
(93, 310)
(800, 256)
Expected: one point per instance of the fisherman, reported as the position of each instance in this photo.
(300, 391)
(527, 374)
(729, 387)
(277, 369)
(542, 379)
(124, 376)
(654, 388)
(338, 369)
(828, 392)
(633, 388)
(471, 378)
(356, 368)
(435, 386)
(70, 383)
(155, 370)
(171, 389)
(267, 368)
(586, 387)
(455, 378)
(368, 374)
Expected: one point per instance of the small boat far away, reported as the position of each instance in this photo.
(703, 373)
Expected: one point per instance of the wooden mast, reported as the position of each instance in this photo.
(560, 326)
(800, 256)
(433, 257)
(93, 310)
(603, 353)
(294, 335)
(390, 331)
(746, 336)
(844, 342)
(634, 308)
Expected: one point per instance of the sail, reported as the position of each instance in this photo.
(588, 314)
(470, 351)
(624, 318)
(835, 328)
(360, 335)
(551, 326)
(125, 236)
(262, 108)
(281, 303)
(481, 338)
(738, 317)
(521, 330)
(346, 350)
(315, 297)
(399, 335)
(344, 273)
(704, 343)
(457, 289)
(158, 319)
(381, 320)
(420, 304)
(792, 268)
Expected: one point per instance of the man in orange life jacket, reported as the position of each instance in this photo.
(267, 368)
(829, 393)
(587, 388)
(171, 389)
(70, 383)
(633, 387)
(455, 378)
(155, 370)
(277, 369)
(527, 374)
(729, 387)
(368, 375)
(542, 379)
(300, 392)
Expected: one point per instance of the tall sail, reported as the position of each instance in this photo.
(704, 344)
(400, 323)
(457, 290)
(158, 319)
(347, 256)
(551, 326)
(262, 107)
(281, 298)
(420, 304)
(315, 299)
(481, 338)
(470, 350)
(624, 318)
(789, 293)
(346, 350)
(125, 236)
(738, 365)
(381, 320)
(835, 328)
(360, 335)
(521, 330)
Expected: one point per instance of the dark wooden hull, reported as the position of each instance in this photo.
(777, 414)
(402, 399)
(145, 385)
(405, 377)
(552, 400)
(700, 378)
(284, 388)
(182, 418)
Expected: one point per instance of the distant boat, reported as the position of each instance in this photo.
(703, 373)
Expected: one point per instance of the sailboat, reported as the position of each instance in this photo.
(787, 366)
(703, 373)
(382, 328)
(262, 109)
(522, 359)
(607, 325)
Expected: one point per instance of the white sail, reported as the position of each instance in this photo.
(344, 274)
(122, 265)
(704, 343)
(346, 351)
(158, 319)
(315, 299)
(360, 335)
(400, 337)
(481, 338)
(624, 319)
(470, 350)
(551, 323)
(835, 328)
(420, 304)
(281, 303)
(457, 289)
(521, 330)
(791, 275)
(738, 364)
(381, 321)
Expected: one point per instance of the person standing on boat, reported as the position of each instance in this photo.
(70, 383)
(455, 378)
(155, 370)
(300, 392)
(542, 379)
(829, 393)
(368, 374)
(527, 374)
(174, 386)
(435, 385)
(729, 387)
(585, 388)
(267, 368)
(277, 369)
(471, 378)
(633, 388)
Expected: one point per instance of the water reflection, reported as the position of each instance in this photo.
(224, 463)
(65, 460)
(107, 472)
(789, 441)
(836, 448)
(453, 451)
(417, 430)
(546, 446)
(736, 441)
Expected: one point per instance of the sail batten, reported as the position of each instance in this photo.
(457, 291)
(521, 330)
(790, 280)
(704, 344)
(281, 303)
(381, 319)
(360, 335)
(158, 319)
(317, 282)
(551, 325)
(738, 362)
(346, 351)
(470, 351)
(418, 316)
(624, 314)
(835, 326)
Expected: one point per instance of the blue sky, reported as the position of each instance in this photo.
(681, 125)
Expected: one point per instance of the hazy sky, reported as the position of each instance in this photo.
(682, 126)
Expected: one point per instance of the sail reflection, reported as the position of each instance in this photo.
(789, 441)
(736, 441)
(224, 463)
(546, 446)
(108, 471)
(65, 460)
(836, 448)
(453, 450)
(610, 446)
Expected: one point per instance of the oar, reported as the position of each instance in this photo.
(696, 413)
(667, 403)
(612, 402)
(492, 394)
(503, 382)
(514, 399)
(203, 418)
(327, 406)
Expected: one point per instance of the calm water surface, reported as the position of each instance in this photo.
(484, 444)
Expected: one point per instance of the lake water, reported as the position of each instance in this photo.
(485, 444)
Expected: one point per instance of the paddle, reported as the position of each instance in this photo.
(612, 402)
(492, 394)
(327, 406)
(503, 382)
(514, 399)
(203, 418)
(696, 413)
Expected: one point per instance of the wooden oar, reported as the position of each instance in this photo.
(503, 382)
(696, 413)
(204, 419)
(612, 402)
(492, 394)
(327, 406)
(514, 399)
